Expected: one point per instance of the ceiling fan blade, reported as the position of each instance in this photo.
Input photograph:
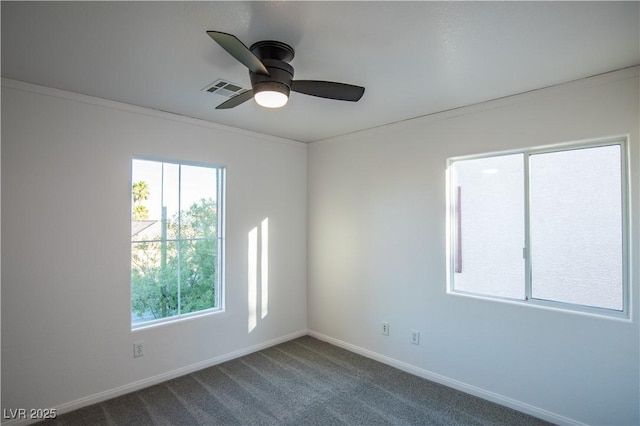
(236, 100)
(328, 89)
(238, 50)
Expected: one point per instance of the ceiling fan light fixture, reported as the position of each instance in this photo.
(271, 94)
(271, 99)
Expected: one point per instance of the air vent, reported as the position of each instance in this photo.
(225, 88)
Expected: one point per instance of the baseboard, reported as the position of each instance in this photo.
(150, 381)
(452, 383)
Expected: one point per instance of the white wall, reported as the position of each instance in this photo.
(377, 253)
(66, 332)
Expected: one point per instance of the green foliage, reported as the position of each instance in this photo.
(140, 193)
(166, 274)
(140, 212)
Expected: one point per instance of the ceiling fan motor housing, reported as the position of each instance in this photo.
(279, 78)
(274, 55)
(271, 49)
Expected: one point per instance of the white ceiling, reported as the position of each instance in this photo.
(414, 58)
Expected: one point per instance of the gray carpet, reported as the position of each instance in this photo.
(301, 382)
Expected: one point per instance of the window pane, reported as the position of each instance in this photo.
(198, 202)
(198, 275)
(489, 226)
(576, 229)
(154, 281)
(146, 193)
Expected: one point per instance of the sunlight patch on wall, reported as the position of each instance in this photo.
(264, 267)
(252, 278)
(258, 274)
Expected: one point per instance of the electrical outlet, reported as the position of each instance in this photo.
(138, 349)
(415, 337)
(385, 328)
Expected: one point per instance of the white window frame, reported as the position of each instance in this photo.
(221, 230)
(451, 223)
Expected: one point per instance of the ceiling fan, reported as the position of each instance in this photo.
(272, 76)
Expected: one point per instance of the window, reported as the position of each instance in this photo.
(542, 226)
(177, 227)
